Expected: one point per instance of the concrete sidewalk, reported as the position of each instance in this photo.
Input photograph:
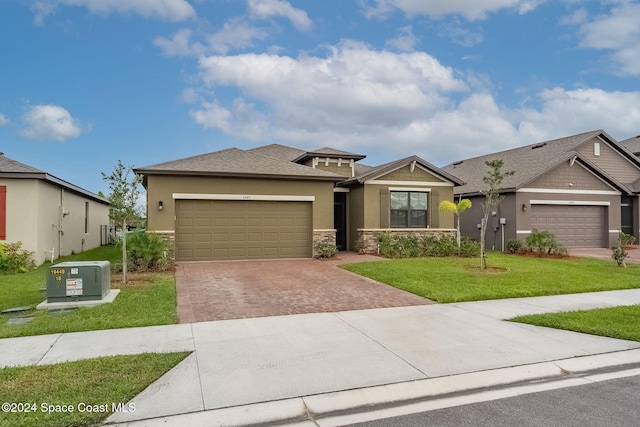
(290, 362)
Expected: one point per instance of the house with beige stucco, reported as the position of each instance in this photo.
(51, 217)
(280, 202)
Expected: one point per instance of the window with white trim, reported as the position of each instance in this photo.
(408, 209)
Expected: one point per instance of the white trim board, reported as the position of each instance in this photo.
(416, 189)
(570, 202)
(245, 197)
(559, 191)
(415, 183)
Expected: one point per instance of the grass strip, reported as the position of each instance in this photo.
(614, 322)
(78, 393)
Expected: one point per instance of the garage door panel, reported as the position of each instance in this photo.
(573, 226)
(217, 229)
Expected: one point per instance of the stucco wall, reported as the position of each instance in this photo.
(162, 188)
(34, 217)
(22, 212)
(437, 219)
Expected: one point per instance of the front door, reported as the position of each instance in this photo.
(626, 211)
(340, 219)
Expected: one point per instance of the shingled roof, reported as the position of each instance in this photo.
(377, 171)
(10, 168)
(632, 144)
(238, 163)
(527, 162)
(328, 152)
(8, 165)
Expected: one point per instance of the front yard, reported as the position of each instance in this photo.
(448, 280)
(148, 299)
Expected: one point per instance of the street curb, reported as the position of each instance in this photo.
(349, 406)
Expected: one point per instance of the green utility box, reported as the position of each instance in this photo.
(78, 281)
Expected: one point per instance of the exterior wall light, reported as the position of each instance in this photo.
(524, 207)
(160, 205)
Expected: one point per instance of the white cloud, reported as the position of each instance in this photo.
(566, 112)
(235, 34)
(618, 32)
(393, 104)
(405, 41)
(50, 122)
(179, 44)
(267, 8)
(42, 9)
(3, 120)
(470, 9)
(166, 10)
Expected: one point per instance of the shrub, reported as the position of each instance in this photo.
(469, 248)
(626, 239)
(148, 251)
(514, 246)
(400, 246)
(543, 243)
(14, 259)
(326, 249)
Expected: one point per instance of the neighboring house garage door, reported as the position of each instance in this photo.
(224, 229)
(573, 226)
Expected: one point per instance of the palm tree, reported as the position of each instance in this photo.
(456, 209)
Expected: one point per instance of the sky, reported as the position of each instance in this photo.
(87, 83)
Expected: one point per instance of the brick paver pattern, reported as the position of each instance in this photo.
(242, 289)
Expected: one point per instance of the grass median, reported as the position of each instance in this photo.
(614, 322)
(447, 280)
(79, 393)
(148, 299)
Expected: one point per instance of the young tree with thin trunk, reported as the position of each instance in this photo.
(492, 188)
(124, 209)
(457, 209)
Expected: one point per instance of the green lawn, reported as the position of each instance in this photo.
(74, 387)
(614, 322)
(148, 299)
(459, 279)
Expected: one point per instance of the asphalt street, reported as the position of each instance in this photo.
(612, 403)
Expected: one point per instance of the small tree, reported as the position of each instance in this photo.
(457, 209)
(492, 188)
(124, 209)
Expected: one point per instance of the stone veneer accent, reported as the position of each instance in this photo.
(328, 235)
(368, 238)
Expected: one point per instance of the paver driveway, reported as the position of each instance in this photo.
(240, 289)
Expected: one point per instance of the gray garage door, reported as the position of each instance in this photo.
(573, 226)
(222, 230)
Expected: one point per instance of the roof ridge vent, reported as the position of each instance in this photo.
(538, 145)
(458, 163)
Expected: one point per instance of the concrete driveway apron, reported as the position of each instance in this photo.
(245, 289)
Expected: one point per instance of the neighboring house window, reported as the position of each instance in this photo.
(86, 217)
(408, 209)
(3, 212)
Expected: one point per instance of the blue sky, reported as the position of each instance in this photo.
(86, 83)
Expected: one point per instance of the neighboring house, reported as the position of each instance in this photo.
(632, 144)
(583, 188)
(51, 217)
(279, 202)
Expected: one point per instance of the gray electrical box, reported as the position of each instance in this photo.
(78, 281)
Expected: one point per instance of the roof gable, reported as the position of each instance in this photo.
(527, 162)
(382, 170)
